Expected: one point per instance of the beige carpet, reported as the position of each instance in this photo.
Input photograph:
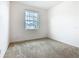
(43, 48)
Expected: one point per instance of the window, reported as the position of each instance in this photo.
(31, 19)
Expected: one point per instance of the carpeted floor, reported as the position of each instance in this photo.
(42, 48)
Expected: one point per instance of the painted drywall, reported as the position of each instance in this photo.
(64, 23)
(42, 4)
(17, 31)
(4, 27)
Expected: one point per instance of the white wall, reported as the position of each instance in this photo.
(64, 23)
(17, 31)
(4, 27)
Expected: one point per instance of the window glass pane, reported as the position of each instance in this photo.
(28, 18)
(31, 20)
(26, 13)
(35, 18)
(35, 14)
(31, 14)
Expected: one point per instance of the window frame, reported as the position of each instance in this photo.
(38, 18)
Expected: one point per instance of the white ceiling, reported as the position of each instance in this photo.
(42, 4)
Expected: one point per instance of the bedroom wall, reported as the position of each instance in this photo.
(17, 31)
(64, 23)
(4, 27)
